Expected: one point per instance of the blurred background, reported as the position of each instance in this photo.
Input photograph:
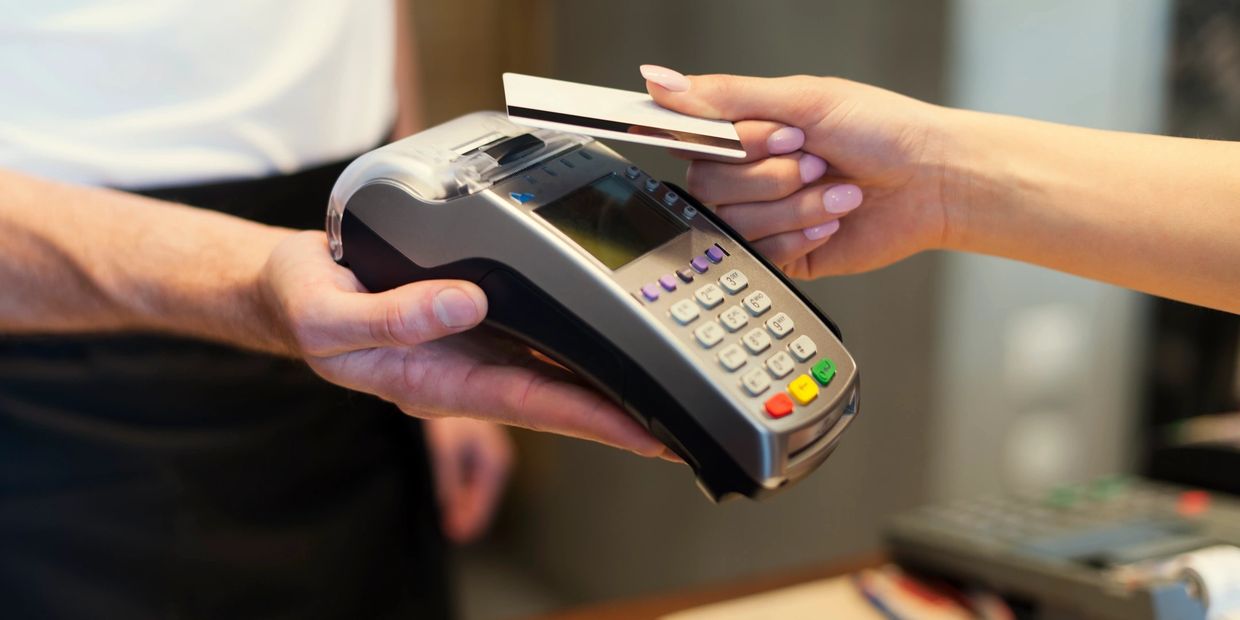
(981, 375)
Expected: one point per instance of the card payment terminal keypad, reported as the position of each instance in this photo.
(716, 310)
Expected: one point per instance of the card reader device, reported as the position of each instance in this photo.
(628, 281)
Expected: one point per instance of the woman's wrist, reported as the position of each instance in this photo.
(955, 166)
(985, 173)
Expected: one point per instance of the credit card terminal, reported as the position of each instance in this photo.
(1107, 549)
(627, 281)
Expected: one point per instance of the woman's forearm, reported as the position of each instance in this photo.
(1152, 213)
(77, 259)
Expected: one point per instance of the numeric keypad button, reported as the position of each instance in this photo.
(757, 303)
(780, 365)
(734, 318)
(802, 348)
(734, 281)
(709, 334)
(709, 296)
(756, 381)
(779, 325)
(803, 390)
(684, 311)
(732, 357)
(756, 341)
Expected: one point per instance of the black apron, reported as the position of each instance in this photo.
(146, 476)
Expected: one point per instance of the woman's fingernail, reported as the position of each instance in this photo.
(456, 308)
(841, 198)
(812, 168)
(785, 140)
(670, 79)
(821, 231)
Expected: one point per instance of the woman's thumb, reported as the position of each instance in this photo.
(791, 100)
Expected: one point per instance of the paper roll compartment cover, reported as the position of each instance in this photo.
(1213, 576)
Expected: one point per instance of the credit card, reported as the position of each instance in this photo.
(614, 114)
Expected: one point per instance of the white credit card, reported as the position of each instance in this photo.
(613, 113)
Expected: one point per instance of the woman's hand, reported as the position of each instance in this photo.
(470, 460)
(406, 345)
(815, 146)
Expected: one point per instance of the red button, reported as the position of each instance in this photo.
(779, 405)
(1193, 503)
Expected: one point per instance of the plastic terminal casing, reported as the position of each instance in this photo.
(443, 163)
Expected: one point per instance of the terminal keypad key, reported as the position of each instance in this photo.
(757, 303)
(734, 281)
(709, 296)
(803, 390)
(779, 325)
(685, 311)
(778, 405)
(732, 357)
(709, 334)
(734, 318)
(756, 340)
(803, 348)
(756, 381)
(780, 364)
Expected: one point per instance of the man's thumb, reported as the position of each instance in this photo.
(790, 100)
(408, 315)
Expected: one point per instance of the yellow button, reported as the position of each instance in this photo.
(803, 389)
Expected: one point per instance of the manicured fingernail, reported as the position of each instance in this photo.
(456, 308)
(820, 231)
(812, 168)
(785, 140)
(841, 198)
(670, 79)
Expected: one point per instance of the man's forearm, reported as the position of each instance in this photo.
(77, 259)
(1152, 213)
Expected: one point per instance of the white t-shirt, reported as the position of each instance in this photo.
(146, 93)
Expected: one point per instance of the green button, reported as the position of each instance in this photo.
(1108, 488)
(1062, 497)
(823, 371)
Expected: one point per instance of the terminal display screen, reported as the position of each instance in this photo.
(612, 220)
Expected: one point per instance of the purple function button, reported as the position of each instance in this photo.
(699, 264)
(650, 292)
(668, 282)
(714, 254)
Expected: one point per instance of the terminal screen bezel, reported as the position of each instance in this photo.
(612, 220)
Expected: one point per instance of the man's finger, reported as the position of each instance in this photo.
(409, 315)
(439, 379)
(523, 397)
(449, 485)
(481, 497)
